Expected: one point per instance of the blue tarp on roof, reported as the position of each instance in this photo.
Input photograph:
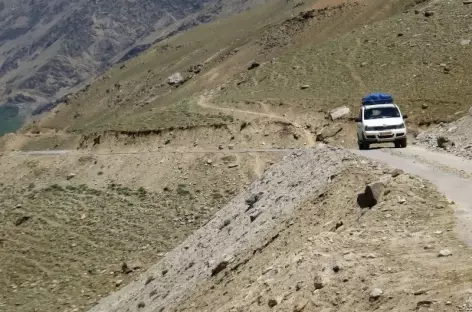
(377, 98)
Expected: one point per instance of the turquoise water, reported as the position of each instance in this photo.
(10, 125)
(10, 119)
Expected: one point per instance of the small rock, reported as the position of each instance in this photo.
(401, 200)
(225, 223)
(375, 294)
(371, 256)
(467, 2)
(396, 172)
(272, 303)
(304, 87)
(118, 283)
(336, 268)
(420, 292)
(220, 147)
(428, 13)
(300, 304)
(231, 146)
(141, 305)
(255, 216)
(209, 161)
(128, 267)
(296, 136)
(319, 282)
(70, 176)
(363, 64)
(233, 165)
(444, 253)
(424, 303)
(444, 142)
(149, 279)
(220, 267)
(465, 42)
(254, 198)
(253, 65)
(328, 132)
(22, 220)
(452, 129)
(424, 106)
(176, 79)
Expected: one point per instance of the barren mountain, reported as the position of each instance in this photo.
(47, 47)
(193, 177)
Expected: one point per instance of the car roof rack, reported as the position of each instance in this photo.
(377, 98)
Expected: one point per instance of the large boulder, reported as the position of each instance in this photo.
(372, 194)
(328, 132)
(444, 142)
(176, 79)
(340, 112)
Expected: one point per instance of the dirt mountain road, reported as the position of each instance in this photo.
(451, 174)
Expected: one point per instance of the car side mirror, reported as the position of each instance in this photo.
(405, 116)
(357, 119)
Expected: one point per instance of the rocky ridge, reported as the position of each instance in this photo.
(246, 223)
(300, 239)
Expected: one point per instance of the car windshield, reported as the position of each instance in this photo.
(381, 112)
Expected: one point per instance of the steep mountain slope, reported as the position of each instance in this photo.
(46, 47)
(152, 159)
(421, 55)
(310, 58)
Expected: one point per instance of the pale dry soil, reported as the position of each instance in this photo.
(63, 242)
(307, 245)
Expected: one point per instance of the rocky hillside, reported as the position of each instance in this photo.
(301, 239)
(46, 47)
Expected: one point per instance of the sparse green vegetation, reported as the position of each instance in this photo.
(73, 226)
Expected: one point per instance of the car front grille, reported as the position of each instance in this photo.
(382, 128)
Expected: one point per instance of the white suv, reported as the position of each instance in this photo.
(379, 123)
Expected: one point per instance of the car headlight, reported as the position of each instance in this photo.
(401, 126)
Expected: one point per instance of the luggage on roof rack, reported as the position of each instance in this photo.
(377, 98)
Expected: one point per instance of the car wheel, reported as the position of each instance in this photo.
(403, 143)
(363, 145)
(398, 144)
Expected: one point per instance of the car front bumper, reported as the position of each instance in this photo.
(384, 136)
